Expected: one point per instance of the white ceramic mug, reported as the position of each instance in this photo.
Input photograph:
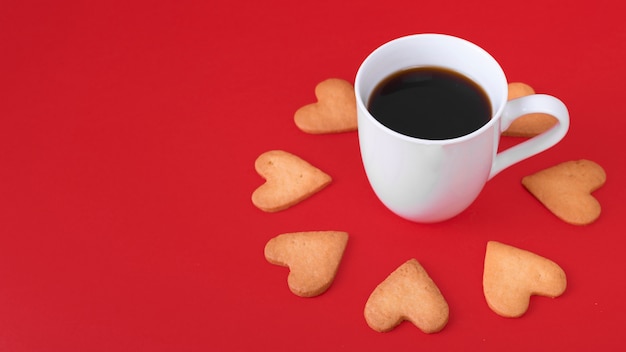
(433, 180)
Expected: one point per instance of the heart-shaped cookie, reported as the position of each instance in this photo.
(410, 294)
(289, 180)
(312, 257)
(565, 189)
(531, 124)
(511, 275)
(334, 111)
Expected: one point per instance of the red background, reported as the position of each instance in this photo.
(128, 134)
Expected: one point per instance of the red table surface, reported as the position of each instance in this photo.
(128, 135)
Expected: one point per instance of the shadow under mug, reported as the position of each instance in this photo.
(433, 180)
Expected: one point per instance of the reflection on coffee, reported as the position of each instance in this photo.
(430, 103)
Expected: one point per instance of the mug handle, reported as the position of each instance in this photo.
(536, 103)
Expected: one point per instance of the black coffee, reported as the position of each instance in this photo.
(430, 103)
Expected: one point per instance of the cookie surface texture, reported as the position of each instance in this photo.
(334, 111)
(409, 294)
(565, 189)
(531, 124)
(289, 180)
(312, 258)
(512, 275)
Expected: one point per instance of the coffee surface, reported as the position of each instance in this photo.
(430, 103)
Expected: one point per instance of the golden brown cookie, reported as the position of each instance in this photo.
(531, 124)
(312, 257)
(410, 294)
(289, 180)
(334, 111)
(565, 189)
(511, 275)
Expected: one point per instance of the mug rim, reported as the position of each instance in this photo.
(494, 116)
